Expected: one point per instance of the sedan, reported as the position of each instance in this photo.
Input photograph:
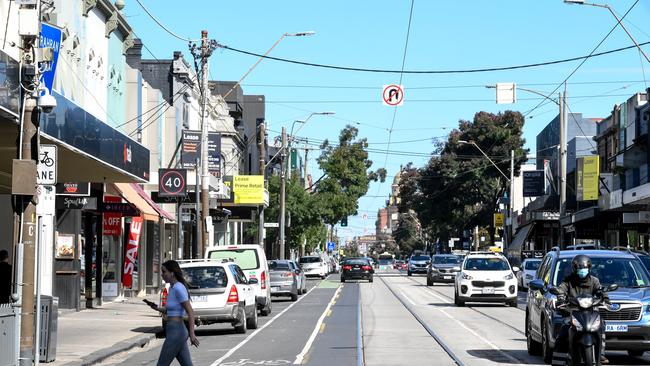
(284, 280)
(356, 269)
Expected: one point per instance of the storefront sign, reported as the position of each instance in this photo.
(587, 178)
(112, 222)
(64, 246)
(122, 208)
(248, 189)
(190, 198)
(534, 183)
(73, 189)
(191, 151)
(131, 252)
(76, 203)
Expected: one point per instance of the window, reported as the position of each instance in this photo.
(625, 272)
(237, 275)
(532, 265)
(245, 258)
(310, 260)
(205, 277)
(486, 264)
(439, 259)
(278, 266)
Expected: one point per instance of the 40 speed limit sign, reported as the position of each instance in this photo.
(172, 182)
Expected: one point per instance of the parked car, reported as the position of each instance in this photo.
(335, 265)
(418, 263)
(314, 265)
(627, 326)
(252, 260)
(220, 293)
(528, 269)
(284, 280)
(486, 277)
(356, 269)
(443, 268)
(398, 264)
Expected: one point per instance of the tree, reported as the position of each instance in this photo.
(407, 235)
(459, 188)
(347, 176)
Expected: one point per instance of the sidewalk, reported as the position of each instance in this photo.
(90, 336)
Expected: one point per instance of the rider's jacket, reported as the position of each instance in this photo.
(572, 286)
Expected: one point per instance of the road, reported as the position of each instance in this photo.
(396, 320)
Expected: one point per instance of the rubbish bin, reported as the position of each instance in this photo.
(49, 322)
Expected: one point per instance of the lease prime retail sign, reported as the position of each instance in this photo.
(248, 189)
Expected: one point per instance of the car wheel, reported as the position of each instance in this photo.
(323, 277)
(251, 322)
(342, 280)
(266, 311)
(294, 297)
(408, 273)
(457, 301)
(512, 303)
(534, 347)
(635, 353)
(240, 324)
(370, 279)
(429, 281)
(547, 350)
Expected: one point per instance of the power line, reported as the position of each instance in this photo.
(460, 71)
(163, 26)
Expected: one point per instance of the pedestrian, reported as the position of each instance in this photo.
(178, 305)
(5, 277)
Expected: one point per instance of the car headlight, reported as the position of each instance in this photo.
(576, 323)
(465, 276)
(509, 277)
(456, 268)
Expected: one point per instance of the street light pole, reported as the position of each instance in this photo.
(283, 179)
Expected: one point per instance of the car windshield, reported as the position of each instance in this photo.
(205, 277)
(486, 264)
(356, 262)
(420, 258)
(625, 272)
(383, 262)
(246, 258)
(532, 265)
(278, 266)
(310, 259)
(645, 259)
(446, 259)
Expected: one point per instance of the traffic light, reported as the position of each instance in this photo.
(344, 222)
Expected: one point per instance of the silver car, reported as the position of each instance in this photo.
(300, 276)
(284, 280)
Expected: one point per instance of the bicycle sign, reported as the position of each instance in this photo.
(46, 165)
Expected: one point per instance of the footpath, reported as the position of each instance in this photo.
(90, 336)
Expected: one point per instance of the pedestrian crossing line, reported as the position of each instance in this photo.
(301, 356)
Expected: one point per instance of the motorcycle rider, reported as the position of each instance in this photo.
(579, 282)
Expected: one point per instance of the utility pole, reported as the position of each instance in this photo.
(305, 169)
(511, 210)
(562, 161)
(476, 241)
(262, 172)
(24, 169)
(205, 174)
(283, 179)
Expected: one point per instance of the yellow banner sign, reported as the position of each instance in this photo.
(248, 189)
(498, 220)
(587, 176)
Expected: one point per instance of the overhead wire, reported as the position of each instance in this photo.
(161, 25)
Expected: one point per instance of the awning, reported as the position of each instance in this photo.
(520, 237)
(130, 194)
(151, 203)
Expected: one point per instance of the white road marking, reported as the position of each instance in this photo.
(311, 339)
(240, 344)
(407, 298)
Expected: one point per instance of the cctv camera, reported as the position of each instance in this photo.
(46, 102)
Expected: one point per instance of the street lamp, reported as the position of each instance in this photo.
(582, 2)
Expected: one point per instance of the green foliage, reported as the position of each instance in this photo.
(407, 234)
(459, 188)
(347, 177)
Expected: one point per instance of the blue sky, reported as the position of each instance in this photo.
(444, 35)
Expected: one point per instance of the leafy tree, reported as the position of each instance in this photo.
(347, 176)
(407, 235)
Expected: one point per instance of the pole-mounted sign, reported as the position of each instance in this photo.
(172, 182)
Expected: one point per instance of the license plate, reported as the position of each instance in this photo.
(447, 277)
(615, 328)
(275, 288)
(488, 290)
(199, 298)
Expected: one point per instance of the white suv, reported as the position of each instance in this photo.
(486, 277)
(314, 265)
(252, 260)
(220, 293)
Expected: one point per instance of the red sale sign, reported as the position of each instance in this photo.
(131, 252)
(112, 221)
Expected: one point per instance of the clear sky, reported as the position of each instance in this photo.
(444, 35)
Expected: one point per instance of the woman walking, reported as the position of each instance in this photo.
(178, 304)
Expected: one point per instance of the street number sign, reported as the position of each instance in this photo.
(172, 182)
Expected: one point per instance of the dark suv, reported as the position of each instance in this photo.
(627, 319)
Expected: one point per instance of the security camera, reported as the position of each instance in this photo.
(46, 102)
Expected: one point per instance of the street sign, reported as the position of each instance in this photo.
(534, 184)
(50, 38)
(172, 182)
(331, 246)
(393, 95)
(506, 93)
(498, 220)
(271, 224)
(46, 165)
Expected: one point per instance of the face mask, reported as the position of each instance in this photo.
(583, 272)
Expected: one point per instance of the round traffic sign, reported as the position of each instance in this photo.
(172, 183)
(393, 95)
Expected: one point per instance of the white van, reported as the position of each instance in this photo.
(252, 260)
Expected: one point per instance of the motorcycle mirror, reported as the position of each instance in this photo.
(554, 291)
(612, 287)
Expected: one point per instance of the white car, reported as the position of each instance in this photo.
(528, 269)
(219, 292)
(314, 265)
(486, 277)
(252, 260)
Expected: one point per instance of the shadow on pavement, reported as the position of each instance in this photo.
(621, 358)
(147, 330)
(445, 304)
(499, 356)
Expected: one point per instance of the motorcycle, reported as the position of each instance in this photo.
(586, 329)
